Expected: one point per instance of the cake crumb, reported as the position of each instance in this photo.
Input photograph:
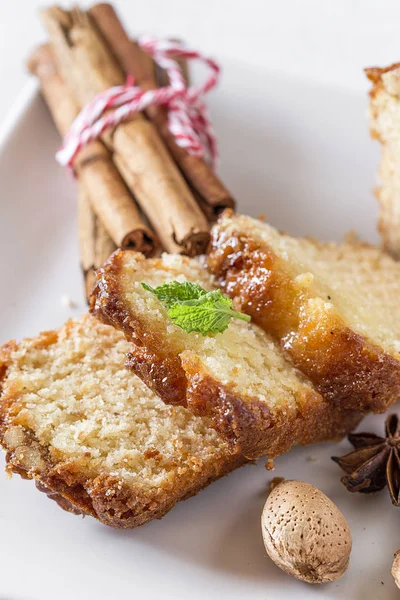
(270, 465)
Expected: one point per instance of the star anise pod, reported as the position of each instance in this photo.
(375, 462)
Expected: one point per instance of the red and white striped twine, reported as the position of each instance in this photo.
(187, 113)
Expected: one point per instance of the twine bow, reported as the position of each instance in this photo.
(188, 118)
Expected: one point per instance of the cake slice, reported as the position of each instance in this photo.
(239, 378)
(384, 115)
(93, 436)
(334, 308)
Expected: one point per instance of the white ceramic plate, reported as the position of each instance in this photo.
(298, 152)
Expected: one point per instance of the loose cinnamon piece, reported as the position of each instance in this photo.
(94, 242)
(89, 69)
(108, 195)
(212, 193)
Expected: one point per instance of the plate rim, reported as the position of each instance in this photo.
(23, 101)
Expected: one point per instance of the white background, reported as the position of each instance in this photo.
(329, 40)
(290, 116)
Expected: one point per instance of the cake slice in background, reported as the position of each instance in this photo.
(93, 436)
(333, 308)
(384, 115)
(240, 378)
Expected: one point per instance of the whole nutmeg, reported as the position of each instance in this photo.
(396, 568)
(305, 534)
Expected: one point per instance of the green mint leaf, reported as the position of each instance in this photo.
(194, 309)
(170, 293)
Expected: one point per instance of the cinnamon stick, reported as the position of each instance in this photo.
(213, 195)
(107, 193)
(89, 69)
(162, 79)
(95, 244)
(161, 76)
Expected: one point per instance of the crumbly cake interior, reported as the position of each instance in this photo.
(384, 114)
(243, 356)
(72, 391)
(357, 281)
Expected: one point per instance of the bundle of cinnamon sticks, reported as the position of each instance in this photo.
(137, 188)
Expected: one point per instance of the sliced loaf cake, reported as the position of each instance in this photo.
(334, 308)
(257, 401)
(384, 114)
(93, 436)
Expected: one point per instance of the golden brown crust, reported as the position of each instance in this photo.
(104, 496)
(247, 424)
(347, 369)
(252, 428)
(374, 74)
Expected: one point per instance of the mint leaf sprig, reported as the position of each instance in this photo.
(192, 308)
